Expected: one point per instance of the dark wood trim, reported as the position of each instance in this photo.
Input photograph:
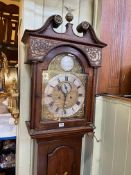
(47, 31)
(57, 133)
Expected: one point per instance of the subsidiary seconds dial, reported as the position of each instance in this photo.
(64, 95)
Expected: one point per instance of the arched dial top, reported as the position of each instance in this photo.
(63, 88)
(65, 62)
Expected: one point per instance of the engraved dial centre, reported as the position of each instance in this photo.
(64, 95)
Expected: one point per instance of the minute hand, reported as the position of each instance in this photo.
(65, 95)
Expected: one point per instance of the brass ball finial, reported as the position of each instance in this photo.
(69, 16)
(58, 19)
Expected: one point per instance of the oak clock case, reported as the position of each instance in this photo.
(64, 93)
(63, 80)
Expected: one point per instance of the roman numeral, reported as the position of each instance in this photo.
(49, 95)
(57, 109)
(66, 78)
(64, 111)
(51, 86)
(78, 87)
(74, 80)
(78, 103)
(51, 104)
(58, 80)
(80, 95)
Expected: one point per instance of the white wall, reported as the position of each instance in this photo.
(24, 143)
(33, 13)
(112, 156)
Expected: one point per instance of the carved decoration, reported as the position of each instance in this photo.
(40, 47)
(94, 55)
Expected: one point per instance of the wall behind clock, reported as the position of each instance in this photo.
(33, 14)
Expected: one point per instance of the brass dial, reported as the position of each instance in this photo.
(64, 95)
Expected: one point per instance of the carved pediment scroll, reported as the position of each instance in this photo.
(42, 40)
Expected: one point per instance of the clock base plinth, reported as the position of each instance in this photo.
(57, 152)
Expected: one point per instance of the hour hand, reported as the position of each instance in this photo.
(66, 88)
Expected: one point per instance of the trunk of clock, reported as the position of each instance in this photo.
(57, 151)
(59, 156)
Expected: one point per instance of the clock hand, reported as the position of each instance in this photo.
(65, 88)
(65, 91)
(65, 95)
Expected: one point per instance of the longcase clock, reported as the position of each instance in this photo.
(64, 69)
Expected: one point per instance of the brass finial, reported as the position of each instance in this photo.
(57, 21)
(69, 16)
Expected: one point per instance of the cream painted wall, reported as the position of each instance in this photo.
(33, 13)
(112, 155)
(97, 16)
(30, 17)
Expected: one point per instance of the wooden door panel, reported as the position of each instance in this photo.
(58, 157)
(61, 159)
